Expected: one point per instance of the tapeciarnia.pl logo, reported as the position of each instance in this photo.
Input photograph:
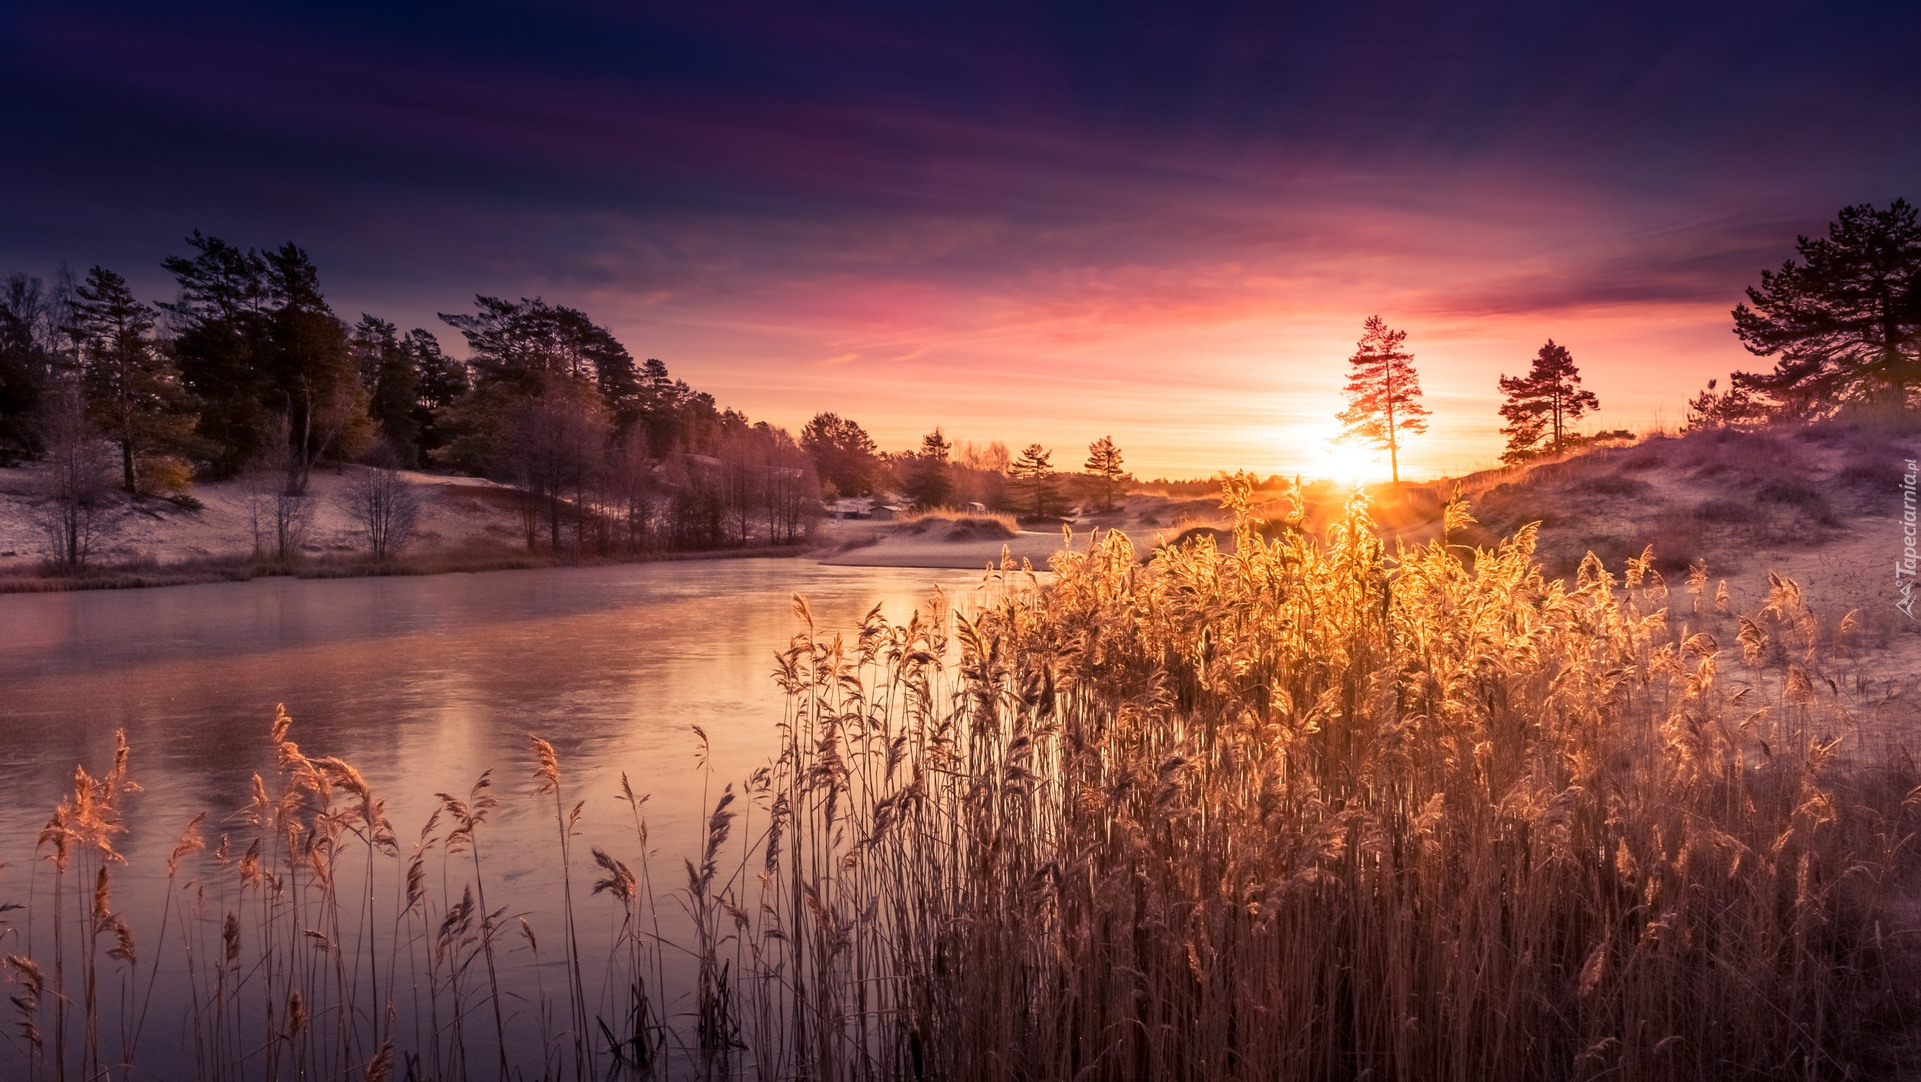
(1904, 568)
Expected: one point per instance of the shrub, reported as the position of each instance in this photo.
(1880, 474)
(1676, 538)
(1614, 484)
(384, 506)
(958, 525)
(1788, 492)
(1719, 510)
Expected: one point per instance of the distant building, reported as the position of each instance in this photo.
(864, 507)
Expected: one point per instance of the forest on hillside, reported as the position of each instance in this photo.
(249, 372)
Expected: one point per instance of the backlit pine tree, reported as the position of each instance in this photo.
(927, 480)
(1033, 473)
(1104, 462)
(1734, 408)
(1845, 321)
(132, 390)
(844, 454)
(1383, 393)
(1543, 405)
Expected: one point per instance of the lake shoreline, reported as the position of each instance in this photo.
(831, 547)
(144, 575)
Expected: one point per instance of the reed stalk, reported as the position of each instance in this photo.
(1312, 808)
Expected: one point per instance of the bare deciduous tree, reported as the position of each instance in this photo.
(383, 504)
(632, 493)
(277, 499)
(75, 505)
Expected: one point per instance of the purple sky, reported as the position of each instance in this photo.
(1025, 222)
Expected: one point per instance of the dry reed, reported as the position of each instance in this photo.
(1311, 809)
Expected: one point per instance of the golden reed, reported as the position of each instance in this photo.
(1308, 809)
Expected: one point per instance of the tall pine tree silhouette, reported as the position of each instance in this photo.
(1845, 321)
(1383, 393)
(133, 391)
(1543, 404)
(1034, 473)
(1104, 462)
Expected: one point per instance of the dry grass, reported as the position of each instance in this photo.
(935, 515)
(1315, 809)
(1741, 499)
(1318, 810)
(947, 524)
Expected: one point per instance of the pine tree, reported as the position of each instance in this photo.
(927, 478)
(521, 343)
(316, 381)
(1104, 462)
(439, 382)
(1544, 404)
(132, 391)
(1734, 408)
(392, 385)
(1033, 473)
(1383, 393)
(26, 364)
(222, 343)
(843, 453)
(1846, 321)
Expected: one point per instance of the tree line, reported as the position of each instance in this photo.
(937, 474)
(1844, 321)
(1384, 406)
(249, 373)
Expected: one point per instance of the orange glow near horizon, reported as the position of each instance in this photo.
(1048, 227)
(1191, 394)
(1218, 340)
(1345, 462)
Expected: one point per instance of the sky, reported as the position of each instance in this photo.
(1026, 222)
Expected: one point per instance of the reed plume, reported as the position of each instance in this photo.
(1309, 807)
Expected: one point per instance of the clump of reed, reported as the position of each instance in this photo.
(949, 524)
(1318, 809)
(308, 942)
(1312, 808)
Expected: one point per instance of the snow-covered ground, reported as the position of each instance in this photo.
(457, 513)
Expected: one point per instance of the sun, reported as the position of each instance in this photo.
(1348, 462)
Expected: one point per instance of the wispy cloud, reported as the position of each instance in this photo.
(1018, 221)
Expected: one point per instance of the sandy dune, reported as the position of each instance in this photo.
(844, 547)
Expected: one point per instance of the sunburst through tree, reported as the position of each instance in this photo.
(1383, 393)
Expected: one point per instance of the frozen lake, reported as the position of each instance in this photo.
(421, 683)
